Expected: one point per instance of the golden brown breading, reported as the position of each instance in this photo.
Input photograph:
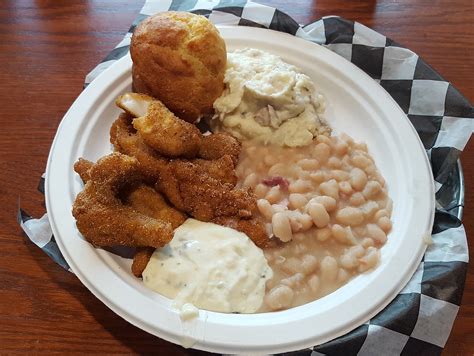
(82, 167)
(141, 259)
(179, 58)
(102, 217)
(216, 145)
(167, 134)
(254, 228)
(196, 192)
(127, 141)
(148, 201)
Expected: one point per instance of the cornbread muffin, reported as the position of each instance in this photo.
(180, 59)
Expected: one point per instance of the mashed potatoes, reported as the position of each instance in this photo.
(268, 100)
(210, 266)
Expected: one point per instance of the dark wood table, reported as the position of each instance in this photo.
(46, 49)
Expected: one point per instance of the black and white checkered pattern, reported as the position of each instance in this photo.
(419, 319)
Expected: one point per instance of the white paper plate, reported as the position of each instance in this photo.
(356, 105)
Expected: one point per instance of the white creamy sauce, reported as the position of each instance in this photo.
(188, 311)
(210, 266)
(268, 100)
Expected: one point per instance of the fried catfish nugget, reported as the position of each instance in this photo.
(202, 196)
(167, 134)
(126, 140)
(141, 259)
(148, 201)
(217, 145)
(102, 217)
(83, 167)
(253, 228)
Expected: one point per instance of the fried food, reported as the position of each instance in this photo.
(134, 104)
(141, 259)
(126, 140)
(167, 134)
(180, 59)
(101, 216)
(82, 167)
(253, 228)
(217, 145)
(194, 190)
(148, 201)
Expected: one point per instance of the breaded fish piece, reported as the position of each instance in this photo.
(101, 216)
(148, 201)
(82, 167)
(196, 192)
(217, 145)
(166, 133)
(253, 228)
(145, 200)
(141, 259)
(126, 140)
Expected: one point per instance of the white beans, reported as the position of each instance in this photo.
(293, 281)
(274, 195)
(280, 297)
(329, 203)
(384, 223)
(309, 164)
(342, 235)
(251, 180)
(367, 242)
(297, 200)
(300, 186)
(370, 260)
(369, 209)
(277, 169)
(340, 148)
(328, 268)
(329, 206)
(345, 187)
(371, 189)
(261, 190)
(357, 199)
(265, 208)
(292, 265)
(358, 179)
(381, 213)
(334, 162)
(314, 283)
(323, 234)
(309, 263)
(318, 176)
(322, 152)
(339, 175)
(376, 233)
(319, 214)
(350, 216)
(281, 227)
(360, 161)
(348, 261)
(330, 188)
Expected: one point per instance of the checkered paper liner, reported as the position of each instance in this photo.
(420, 318)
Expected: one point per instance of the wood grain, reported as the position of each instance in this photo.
(46, 49)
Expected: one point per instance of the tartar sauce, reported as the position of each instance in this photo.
(210, 266)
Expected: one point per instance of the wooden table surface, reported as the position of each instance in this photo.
(46, 49)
